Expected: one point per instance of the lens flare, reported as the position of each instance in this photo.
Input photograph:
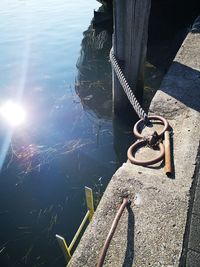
(13, 113)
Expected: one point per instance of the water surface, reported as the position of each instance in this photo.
(49, 65)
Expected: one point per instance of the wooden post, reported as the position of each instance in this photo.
(130, 45)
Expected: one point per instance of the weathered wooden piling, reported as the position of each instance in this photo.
(130, 45)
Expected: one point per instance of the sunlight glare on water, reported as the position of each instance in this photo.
(13, 113)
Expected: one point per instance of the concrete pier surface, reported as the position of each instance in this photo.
(162, 225)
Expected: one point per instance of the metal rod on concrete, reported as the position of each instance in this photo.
(111, 232)
(168, 165)
(130, 45)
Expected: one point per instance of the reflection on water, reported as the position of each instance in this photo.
(93, 82)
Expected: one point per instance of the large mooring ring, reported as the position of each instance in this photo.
(132, 149)
(155, 117)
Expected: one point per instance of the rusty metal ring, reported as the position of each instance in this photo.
(132, 149)
(163, 120)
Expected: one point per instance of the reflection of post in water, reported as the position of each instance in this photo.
(93, 81)
(122, 137)
(94, 78)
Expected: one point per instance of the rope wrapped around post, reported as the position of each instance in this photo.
(134, 102)
(143, 118)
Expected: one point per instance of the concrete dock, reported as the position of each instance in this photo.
(191, 255)
(162, 225)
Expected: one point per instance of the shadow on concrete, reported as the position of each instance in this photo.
(157, 166)
(129, 255)
(182, 83)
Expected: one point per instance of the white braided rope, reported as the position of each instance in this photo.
(136, 105)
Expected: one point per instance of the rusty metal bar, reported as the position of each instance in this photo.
(168, 165)
(111, 232)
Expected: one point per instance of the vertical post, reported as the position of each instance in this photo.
(130, 45)
(89, 201)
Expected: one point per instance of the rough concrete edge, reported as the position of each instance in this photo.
(185, 249)
(92, 226)
(184, 252)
